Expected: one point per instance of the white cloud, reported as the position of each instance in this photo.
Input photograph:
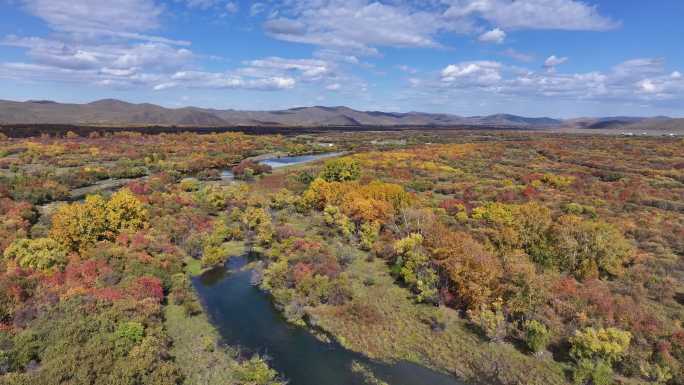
(648, 86)
(533, 14)
(88, 19)
(73, 55)
(553, 61)
(642, 67)
(365, 25)
(480, 73)
(202, 4)
(311, 69)
(494, 36)
(257, 8)
(356, 25)
(232, 7)
(676, 75)
(638, 80)
(200, 79)
(333, 87)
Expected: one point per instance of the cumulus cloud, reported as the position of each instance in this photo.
(553, 61)
(637, 80)
(356, 25)
(648, 86)
(304, 69)
(533, 14)
(366, 25)
(479, 73)
(199, 79)
(111, 45)
(73, 55)
(127, 19)
(494, 36)
(202, 4)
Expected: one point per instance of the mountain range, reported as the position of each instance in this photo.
(108, 112)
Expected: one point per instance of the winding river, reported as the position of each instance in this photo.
(246, 317)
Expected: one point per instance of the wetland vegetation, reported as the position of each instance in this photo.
(462, 257)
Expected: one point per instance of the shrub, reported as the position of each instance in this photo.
(125, 212)
(38, 254)
(536, 336)
(415, 267)
(589, 248)
(128, 334)
(189, 184)
(369, 234)
(130, 331)
(334, 217)
(79, 225)
(256, 371)
(605, 345)
(594, 373)
(214, 255)
(247, 169)
(491, 320)
(341, 170)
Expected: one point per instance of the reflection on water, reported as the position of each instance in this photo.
(246, 317)
(293, 160)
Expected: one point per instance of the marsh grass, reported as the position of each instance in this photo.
(400, 329)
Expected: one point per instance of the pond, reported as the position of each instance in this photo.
(227, 176)
(301, 159)
(246, 317)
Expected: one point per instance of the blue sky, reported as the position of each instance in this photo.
(560, 58)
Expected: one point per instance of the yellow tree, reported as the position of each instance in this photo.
(125, 212)
(79, 225)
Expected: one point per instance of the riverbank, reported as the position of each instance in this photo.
(401, 329)
(199, 351)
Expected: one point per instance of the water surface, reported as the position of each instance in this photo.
(246, 317)
(293, 160)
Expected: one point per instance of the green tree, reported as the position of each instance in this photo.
(333, 216)
(128, 334)
(606, 345)
(258, 220)
(341, 170)
(491, 320)
(369, 233)
(590, 248)
(415, 267)
(536, 336)
(593, 372)
(39, 254)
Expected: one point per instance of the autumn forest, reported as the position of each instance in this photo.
(505, 257)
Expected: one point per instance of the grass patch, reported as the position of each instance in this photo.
(193, 267)
(195, 347)
(204, 361)
(383, 322)
(235, 248)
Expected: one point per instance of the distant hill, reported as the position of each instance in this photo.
(112, 112)
(116, 112)
(627, 123)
